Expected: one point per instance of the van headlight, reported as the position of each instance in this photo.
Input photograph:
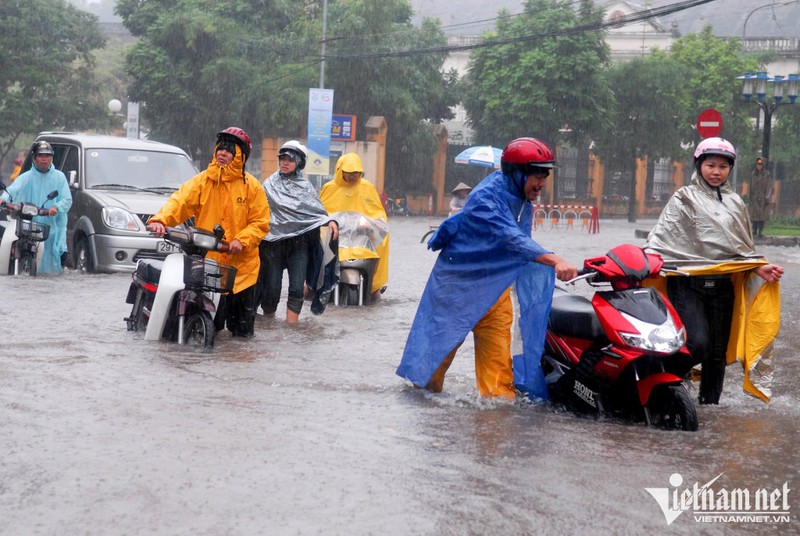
(119, 218)
(663, 339)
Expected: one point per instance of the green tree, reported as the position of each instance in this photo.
(645, 120)
(711, 66)
(550, 87)
(407, 90)
(203, 65)
(46, 57)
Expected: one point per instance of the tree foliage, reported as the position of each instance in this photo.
(46, 57)
(550, 87)
(198, 67)
(646, 119)
(711, 66)
(202, 65)
(406, 90)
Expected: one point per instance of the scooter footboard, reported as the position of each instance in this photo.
(646, 385)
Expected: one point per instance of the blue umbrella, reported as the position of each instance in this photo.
(480, 155)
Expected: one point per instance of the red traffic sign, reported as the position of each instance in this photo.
(709, 123)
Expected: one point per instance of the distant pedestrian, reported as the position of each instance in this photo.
(460, 193)
(759, 196)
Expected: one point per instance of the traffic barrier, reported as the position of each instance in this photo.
(565, 217)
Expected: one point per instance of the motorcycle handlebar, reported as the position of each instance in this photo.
(13, 208)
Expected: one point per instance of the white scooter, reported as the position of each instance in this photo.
(177, 298)
(21, 237)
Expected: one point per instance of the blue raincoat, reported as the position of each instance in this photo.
(33, 186)
(485, 248)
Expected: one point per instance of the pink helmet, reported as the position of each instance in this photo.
(715, 147)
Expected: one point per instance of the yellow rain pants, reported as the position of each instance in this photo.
(492, 334)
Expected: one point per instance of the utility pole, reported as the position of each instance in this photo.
(324, 38)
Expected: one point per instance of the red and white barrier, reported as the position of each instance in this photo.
(565, 217)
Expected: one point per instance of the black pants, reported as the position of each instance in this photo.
(238, 311)
(290, 254)
(705, 305)
(758, 228)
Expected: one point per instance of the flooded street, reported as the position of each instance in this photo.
(306, 429)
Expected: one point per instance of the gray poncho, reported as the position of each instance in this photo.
(294, 206)
(702, 225)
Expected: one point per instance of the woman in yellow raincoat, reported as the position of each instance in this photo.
(349, 192)
(227, 195)
(729, 314)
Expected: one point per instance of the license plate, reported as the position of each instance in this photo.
(167, 247)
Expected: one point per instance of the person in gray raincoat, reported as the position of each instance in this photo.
(729, 314)
(759, 196)
(294, 242)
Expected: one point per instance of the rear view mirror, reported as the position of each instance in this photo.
(72, 179)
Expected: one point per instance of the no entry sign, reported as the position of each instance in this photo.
(709, 123)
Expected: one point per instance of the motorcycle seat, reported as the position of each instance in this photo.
(573, 316)
(149, 270)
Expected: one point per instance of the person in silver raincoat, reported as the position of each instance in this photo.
(705, 230)
(293, 243)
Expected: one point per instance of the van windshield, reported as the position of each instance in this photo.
(126, 168)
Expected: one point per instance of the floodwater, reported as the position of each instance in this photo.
(306, 429)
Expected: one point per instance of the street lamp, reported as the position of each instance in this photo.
(755, 84)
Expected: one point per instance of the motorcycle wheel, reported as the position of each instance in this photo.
(28, 265)
(137, 321)
(198, 330)
(674, 408)
(348, 294)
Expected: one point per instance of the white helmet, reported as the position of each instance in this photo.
(296, 150)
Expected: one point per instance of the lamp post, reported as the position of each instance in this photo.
(755, 84)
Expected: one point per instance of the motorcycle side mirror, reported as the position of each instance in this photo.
(219, 232)
(52, 195)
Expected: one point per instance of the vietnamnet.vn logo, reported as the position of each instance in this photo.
(710, 505)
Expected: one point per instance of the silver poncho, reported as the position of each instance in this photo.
(294, 206)
(702, 225)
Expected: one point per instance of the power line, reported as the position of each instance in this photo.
(593, 27)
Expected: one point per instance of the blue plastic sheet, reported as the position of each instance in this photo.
(484, 249)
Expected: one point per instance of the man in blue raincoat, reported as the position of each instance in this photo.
(485, 249)
(34, 186)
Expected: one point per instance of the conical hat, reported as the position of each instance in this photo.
(461, 186)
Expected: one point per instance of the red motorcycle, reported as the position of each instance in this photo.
(623, 352)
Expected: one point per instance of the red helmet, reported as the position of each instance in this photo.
(239, 137)
(526, 153)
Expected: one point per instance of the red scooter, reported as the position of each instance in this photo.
(623, 352)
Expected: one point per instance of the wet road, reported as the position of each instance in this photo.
(306, 430)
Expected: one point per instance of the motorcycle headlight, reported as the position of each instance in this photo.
(28, 209)
(663, 339)
(204, 241)
(119, 218)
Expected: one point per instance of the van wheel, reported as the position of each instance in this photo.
(83, 256)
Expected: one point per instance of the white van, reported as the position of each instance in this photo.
(116, 185)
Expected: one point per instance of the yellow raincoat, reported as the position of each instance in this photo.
(755, 324)
(340, 196)
(232, 198)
